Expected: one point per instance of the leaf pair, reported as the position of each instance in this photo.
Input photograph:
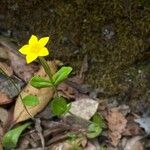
(95, 128)
(61, 75)
(57, 78)
(39, 82)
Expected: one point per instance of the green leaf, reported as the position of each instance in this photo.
(10, 139)
(59, 106)
(94, 130)
(61, 75)
(72, 136)
(39, 82)
(30, 100)
(98, 120)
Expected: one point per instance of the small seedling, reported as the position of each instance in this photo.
(10, 139)
(96, 126)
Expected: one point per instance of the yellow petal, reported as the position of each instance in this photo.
(33, 39)
(30, 57)
(43, 41)
(43, 52)
(24, 49)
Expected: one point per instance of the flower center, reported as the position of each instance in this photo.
(35, 48)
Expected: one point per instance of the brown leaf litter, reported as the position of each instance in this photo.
(116, 125)
(8, 88)
(4, 99)
(134, 143)
(132, 128)
(7, 69)
(12, 63)
(17, 62)
(3, 120)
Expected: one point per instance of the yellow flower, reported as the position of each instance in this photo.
(35, 48)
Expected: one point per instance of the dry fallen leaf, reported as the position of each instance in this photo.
(132, 128)
(144, 123)
(66, 91)
(84, 108)
(3, 115)
(23, 70)
(3, 121)
(134, 144)
(17, 62)
(7, 69)
(3, 54)
(7, 89)
(116, 124)
(44, 95)
(4, 99)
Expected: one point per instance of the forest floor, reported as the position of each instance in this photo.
(107, 43)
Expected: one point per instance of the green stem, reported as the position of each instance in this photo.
(46, 67)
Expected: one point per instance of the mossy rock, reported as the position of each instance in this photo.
(114, 34)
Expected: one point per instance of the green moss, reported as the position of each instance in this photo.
(76, 29)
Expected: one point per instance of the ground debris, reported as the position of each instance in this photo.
(132, 128)
(78, 143)
(17, 61)
(20, 68)
(3, 115)
(39, 131)
(7, 69)
(84, 108)
(4, 99)
(116, 125)
(144, 123)
(134, 144)
(8, 88)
